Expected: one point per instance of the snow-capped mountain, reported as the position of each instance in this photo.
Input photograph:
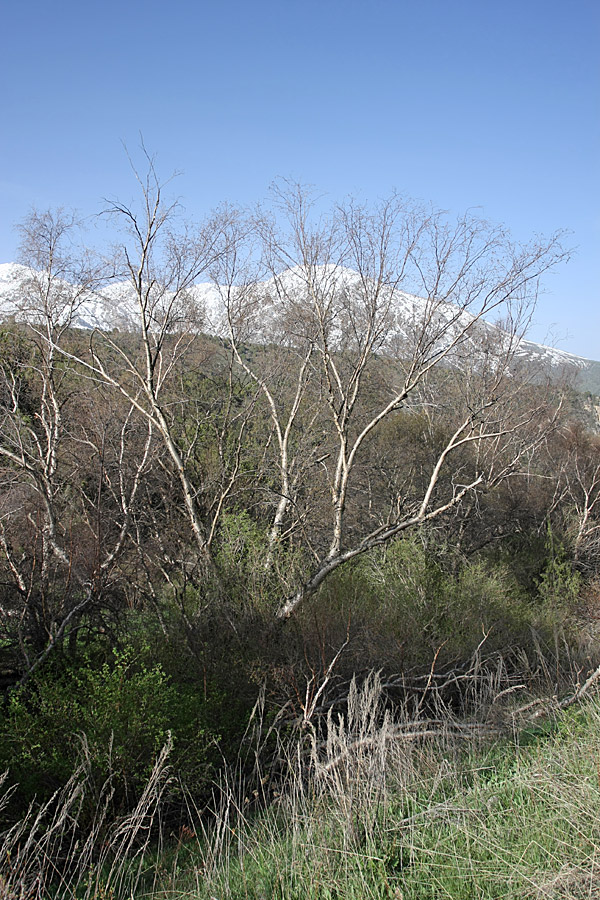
(111, 307)
(115, 307)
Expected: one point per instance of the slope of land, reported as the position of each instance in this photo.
(114, 307)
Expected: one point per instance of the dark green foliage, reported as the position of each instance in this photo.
(122, 708)
(411, 602)
(559, 585)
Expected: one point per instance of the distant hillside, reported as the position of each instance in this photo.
(114, 308)
(586, 372)
(589, 377)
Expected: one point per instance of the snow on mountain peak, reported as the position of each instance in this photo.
(115, 306)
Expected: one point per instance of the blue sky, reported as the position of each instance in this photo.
(462, 103)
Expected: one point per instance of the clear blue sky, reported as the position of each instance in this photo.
(462, 103)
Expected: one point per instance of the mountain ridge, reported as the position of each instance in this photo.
(114, 308)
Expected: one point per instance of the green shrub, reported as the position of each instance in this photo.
(124, 706)
(558, 585)
(410, 600)
(254, 578)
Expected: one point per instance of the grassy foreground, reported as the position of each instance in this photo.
(384, 816)
(410, 808)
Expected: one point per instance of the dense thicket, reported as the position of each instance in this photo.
(376, 467)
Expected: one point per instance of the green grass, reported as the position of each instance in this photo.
(358, 813)
(519, 819)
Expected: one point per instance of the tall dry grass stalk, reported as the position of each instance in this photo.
(331, 773)
(342, 779)
(57, 851)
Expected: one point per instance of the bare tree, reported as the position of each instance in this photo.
(400, 295)
(580, 494)
(156, 267)
(54, 583)
(343, 328)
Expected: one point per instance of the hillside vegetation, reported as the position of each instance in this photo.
(279, 608)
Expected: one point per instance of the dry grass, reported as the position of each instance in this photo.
(354, 802)
(52, 852)
(412, 807)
